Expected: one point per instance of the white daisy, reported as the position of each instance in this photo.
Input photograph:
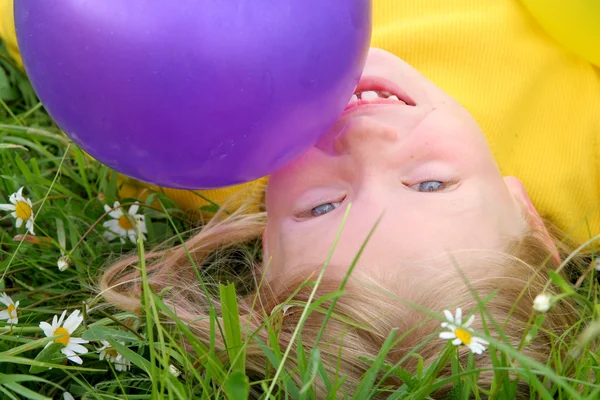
(111, 355)
(542, 302)
(73, 346)
(21, 208)
(174, 371)
(10, 314)
(461, 333)
(124, 225)
(63, 263)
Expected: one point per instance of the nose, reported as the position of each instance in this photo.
(364, 136)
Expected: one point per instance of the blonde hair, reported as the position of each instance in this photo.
(368, 310)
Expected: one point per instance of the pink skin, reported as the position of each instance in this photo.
(375, 158)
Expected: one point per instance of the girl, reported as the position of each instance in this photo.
(406, 159)
(420, 166)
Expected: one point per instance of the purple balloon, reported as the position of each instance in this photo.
(194, 94)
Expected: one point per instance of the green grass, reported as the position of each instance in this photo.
(69, 191)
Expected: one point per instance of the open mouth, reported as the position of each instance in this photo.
(373, 91)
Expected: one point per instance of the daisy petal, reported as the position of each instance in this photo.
(469, 321)
(142, 222)
(134, 209)
(132, 236)
(47, 328)
(119, 231)
(447, 335)
(109, 235)
(77, 348)
(115, 211)
(73, 321)
(458, 318)
(457, 342)
(7, 207)
(19, 222)
(480, 340)
(78, 340)
(476, 349)
(449, 316)
(62, 317)
(68, 352)
(4, 314)
(29, 226)
(76, 359)
(111, 224)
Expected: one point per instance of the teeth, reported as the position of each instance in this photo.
(370, 95)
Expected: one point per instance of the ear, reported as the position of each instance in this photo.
(517, 189)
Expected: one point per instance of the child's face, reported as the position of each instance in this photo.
(425, 169)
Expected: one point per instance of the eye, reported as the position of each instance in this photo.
(323, 209)
(429, 186)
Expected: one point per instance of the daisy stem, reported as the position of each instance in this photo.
(19, 329)
(120, 323)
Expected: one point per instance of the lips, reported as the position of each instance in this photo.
(378, 91)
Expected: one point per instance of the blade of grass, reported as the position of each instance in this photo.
(304, 315)
(231, 326)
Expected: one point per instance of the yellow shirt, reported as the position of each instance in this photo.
(7, 30)
(536, 101)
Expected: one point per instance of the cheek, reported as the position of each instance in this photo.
(293, 173)
(279, 190)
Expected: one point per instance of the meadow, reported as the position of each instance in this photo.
(59, 338)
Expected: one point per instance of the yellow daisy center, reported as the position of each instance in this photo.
(125, 222)
(23, 210)
(64, 339)
(11, 310)
(112, 353)
(464, 335)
